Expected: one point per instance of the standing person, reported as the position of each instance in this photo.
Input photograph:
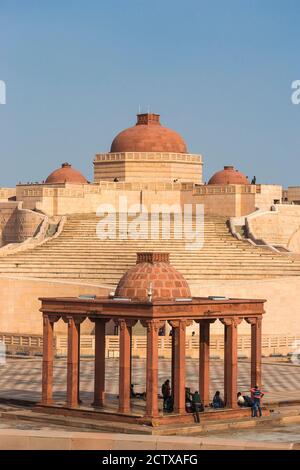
(166, 392)
(197, 405)
(256, 395)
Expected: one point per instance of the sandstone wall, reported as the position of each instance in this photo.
(19, 304)
(7, 194)
(16, 224)
(293, 194)
(148, 166)
(280, 227)
(282, 307)
(266, 195)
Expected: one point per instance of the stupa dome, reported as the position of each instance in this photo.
(66, 174)
(228, 176)
(148, 135)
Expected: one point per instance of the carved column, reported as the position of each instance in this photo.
(47, 370)
(230, 361)
(256, 350)
(124, 364)
(153, 327)
(179, 329)
(99, 373)
(173, 362)
(73, 359)
(204, 373)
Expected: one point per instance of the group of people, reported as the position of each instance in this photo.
(253, 402)
(194, 404)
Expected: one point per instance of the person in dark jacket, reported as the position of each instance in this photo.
(217, 400)
(256, 395)
(197, 406)
(166, 392)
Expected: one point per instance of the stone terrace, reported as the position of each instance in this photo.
(78, 255)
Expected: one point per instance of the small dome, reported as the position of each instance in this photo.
(66, 174)
(228, 176)
(152, 276)
(148, 135)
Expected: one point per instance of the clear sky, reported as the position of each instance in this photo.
(219, 72)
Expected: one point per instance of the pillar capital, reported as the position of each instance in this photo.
(231, 321)
(125, 322)
(254, 321)
(182, 324)
(152, 324)
(51, 317)
(76, 319)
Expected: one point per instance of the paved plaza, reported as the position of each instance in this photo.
(21, 378)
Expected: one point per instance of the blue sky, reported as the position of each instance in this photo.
(218, 72)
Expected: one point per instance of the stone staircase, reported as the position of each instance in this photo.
(77, 254)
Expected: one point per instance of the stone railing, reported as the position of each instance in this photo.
(148, 156)
(208, 189)
(32, 344)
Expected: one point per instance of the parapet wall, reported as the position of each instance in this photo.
(226, 200)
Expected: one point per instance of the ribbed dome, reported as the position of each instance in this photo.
(66, 174)
(154, 277)
(228, 176)
(148, 135)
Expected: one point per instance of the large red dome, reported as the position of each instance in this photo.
(66, 174)
(148, 135)
(154, 277)
(229, 176)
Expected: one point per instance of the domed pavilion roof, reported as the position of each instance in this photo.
(152, 278)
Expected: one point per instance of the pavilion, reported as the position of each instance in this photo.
(154, 293)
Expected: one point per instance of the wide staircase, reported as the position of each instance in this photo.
(77, 254)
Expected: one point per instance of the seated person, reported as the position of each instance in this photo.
(134, 394)
(217, 400)
(248, 401)
(240, 399)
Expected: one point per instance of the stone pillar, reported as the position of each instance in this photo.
(230, 361)
(256, 338)
(73, 361)
(47, 370)
(153, 327)
(99, 373)
(173, 362)
(204, 377)
(124, 365)
(179, 328)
